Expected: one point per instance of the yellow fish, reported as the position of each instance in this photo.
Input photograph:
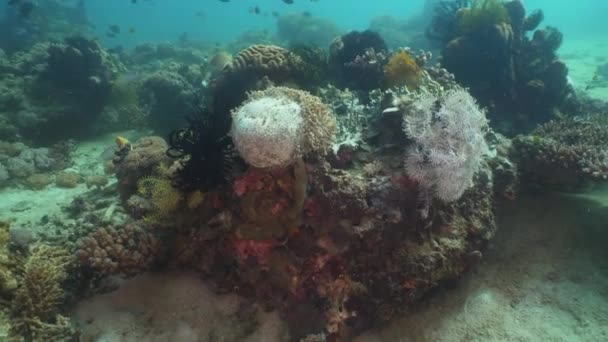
(123, 143)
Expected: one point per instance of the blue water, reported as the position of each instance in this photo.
(165, 20)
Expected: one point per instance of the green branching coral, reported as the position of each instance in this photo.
(482, 13)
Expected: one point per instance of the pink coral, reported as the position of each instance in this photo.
(259, 250)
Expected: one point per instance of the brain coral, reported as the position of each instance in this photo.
(276, 126)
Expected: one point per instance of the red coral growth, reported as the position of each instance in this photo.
(312, 208)
(252, 179)
(279, 206)
(259, 250)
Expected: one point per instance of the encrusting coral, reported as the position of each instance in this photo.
(277, 126)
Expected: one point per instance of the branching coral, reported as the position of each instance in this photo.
(126, 251)
(40, 294)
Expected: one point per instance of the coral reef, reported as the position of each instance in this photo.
(126, 250)
(57, 91)
(165, 93)
(279, 125)
(565, 154)
(520, 79)
(357, 60)
(254, 68)
(147, 154)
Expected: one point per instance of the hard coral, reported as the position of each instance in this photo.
(40, 294)
(566, 153)
(67, 179)
(277, 126)
(8, 281)
(125, 251)
(266, 59)
(147, 154)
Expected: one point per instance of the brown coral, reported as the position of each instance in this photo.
(402, 69)
(8, 281)
(67, 179)
(147, 154)
(565, 153)
(40, 294)
(125, 251)
(265, 59)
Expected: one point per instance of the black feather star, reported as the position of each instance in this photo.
(206, 150)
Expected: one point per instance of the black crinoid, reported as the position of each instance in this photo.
(206, 149)
(444, 23)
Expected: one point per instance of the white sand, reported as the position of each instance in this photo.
(582, 58)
